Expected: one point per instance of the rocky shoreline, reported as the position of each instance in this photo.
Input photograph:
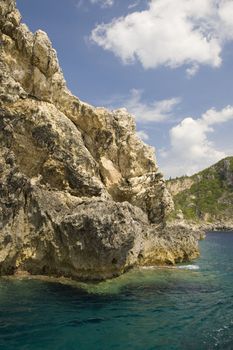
(81, 195)
(218, 226)
(202, 227)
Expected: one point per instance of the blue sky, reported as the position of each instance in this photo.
(170, 63)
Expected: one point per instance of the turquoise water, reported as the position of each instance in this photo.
(143, 310)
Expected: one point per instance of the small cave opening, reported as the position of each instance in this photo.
(114, 261)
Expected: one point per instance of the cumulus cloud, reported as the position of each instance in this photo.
(170, 33)
(155, 111)
(191, 150)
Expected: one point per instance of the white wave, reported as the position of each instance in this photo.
(188, 267)
(153, 267)
(181, 267)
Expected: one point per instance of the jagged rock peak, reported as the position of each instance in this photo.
(81, 194)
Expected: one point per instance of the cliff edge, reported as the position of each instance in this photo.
(80, 193)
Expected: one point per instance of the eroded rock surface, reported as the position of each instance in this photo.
(80, 193)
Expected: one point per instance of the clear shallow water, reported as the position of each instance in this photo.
(186, 308)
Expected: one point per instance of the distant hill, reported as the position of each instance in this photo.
(206, 196)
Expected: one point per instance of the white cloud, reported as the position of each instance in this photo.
(134, 4)
(226, 13)
(170, 33)
(143, 135)
(103, 3)
(192, 70)
(191, 149)
(155, 111)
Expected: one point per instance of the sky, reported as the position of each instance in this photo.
(169, 62)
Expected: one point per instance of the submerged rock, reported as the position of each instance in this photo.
(80, 194)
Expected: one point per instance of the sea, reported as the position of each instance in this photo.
(189, 307)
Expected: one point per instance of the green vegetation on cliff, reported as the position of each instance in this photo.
(207, 195)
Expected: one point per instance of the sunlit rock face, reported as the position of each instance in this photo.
(80, 193)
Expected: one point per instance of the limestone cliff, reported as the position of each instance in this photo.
(80, 193)
(206, 198)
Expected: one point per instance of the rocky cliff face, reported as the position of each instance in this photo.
(205, 198)
(80, 193)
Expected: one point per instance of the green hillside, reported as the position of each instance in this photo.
(207, 195)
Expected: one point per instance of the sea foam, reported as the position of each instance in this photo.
(188, 267)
